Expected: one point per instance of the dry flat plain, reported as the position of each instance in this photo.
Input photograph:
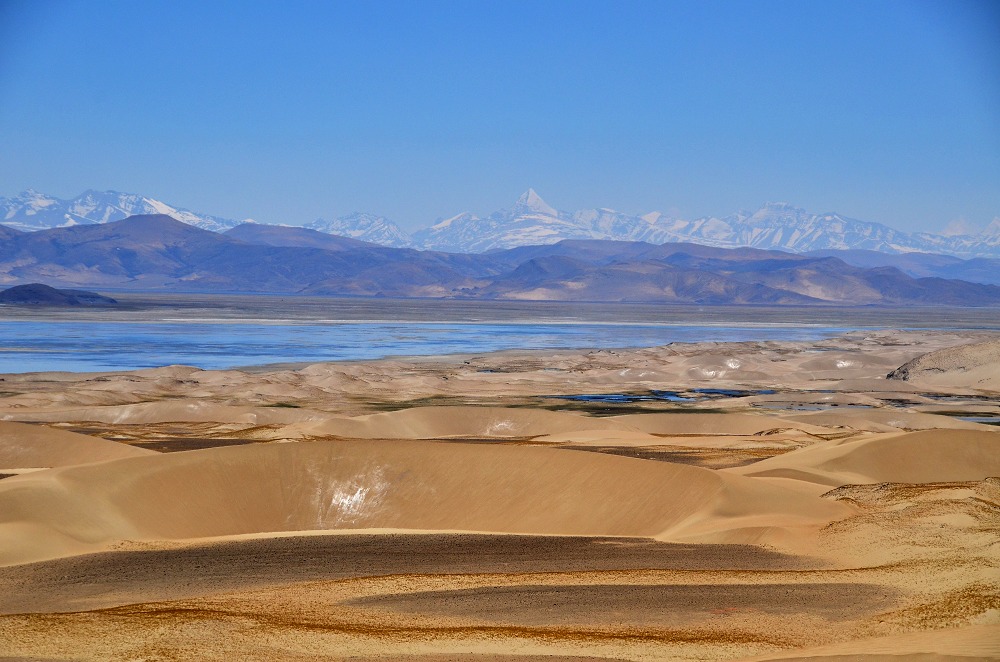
(757, 500)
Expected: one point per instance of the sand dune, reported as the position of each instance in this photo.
(917, 457)
(241, 563)
(712, 423)
(447, 508)
(978, 642)
(440, 422)
(435, 422)
(24, 446)
(166, 411)
(355, 485)
(974, 365)
(885, 420)
(451, 421)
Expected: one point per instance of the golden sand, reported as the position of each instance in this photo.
(451, 508)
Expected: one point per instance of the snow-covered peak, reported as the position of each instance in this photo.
(36, 211)
(31, 201)
(993, 229)
(447, 222)
(531, 200)
(364, 227)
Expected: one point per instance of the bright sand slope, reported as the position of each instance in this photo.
(387, 484)
(33, 446)
(917, 457)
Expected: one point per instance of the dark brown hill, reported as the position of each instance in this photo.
(38, 294)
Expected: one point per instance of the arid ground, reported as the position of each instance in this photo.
(758, 500)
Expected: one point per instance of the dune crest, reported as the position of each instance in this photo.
(23, 445)
(917, 457)
(974, 365)
(454, 421)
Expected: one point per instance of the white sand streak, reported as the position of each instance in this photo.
(345, 502)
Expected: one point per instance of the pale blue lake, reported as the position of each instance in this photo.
(33, 346)
(225, 331)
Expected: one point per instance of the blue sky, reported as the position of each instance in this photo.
(284, 112)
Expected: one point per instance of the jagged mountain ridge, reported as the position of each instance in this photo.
(531, 221)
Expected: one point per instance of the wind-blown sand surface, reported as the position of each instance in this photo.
(773, 500)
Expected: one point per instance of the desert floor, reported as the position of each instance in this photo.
(778, 500)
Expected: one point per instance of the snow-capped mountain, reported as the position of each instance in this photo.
(776, 225)
(365, 227)
(983, 244)
(779, 225)
(532, 221)
(32, 210)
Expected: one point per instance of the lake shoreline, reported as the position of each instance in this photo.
(260, 332)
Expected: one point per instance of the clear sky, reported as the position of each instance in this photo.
(287, 111)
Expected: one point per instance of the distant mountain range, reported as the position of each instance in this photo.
(32, 210)
(778, 226)
(531, 221)
(157, 252)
